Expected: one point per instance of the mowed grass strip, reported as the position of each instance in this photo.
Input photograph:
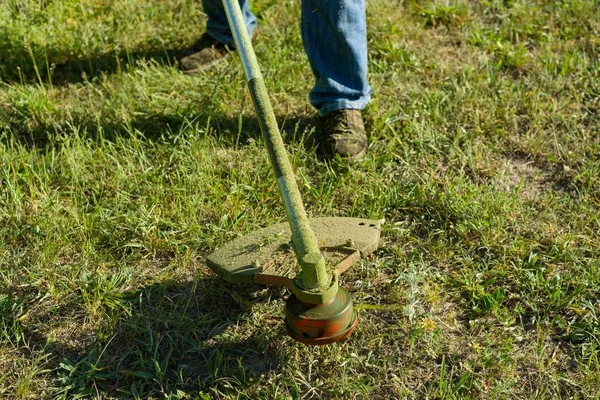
(119, 174)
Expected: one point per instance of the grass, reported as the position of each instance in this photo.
(119, 174)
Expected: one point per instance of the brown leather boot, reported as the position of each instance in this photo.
(203, 54)
(344, 134)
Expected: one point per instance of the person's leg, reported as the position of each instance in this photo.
(216, 43)
(334, 33)
(217, 25)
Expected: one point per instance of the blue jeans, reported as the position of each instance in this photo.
(334, 33)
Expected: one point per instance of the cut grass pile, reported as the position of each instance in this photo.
(119, 174)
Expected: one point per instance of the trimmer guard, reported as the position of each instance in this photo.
(266, 256)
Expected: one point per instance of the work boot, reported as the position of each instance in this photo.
(203, 54)
(344, 134)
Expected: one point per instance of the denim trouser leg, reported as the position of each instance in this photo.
(335, 39)
(217, 25)
(334, 33)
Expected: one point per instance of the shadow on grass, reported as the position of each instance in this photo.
(230, 131)
(29, 67)
(34, 128)
(169, 337)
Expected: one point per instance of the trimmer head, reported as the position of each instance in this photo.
(319, 324)
(266, 256)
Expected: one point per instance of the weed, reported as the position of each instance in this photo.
(11, 314)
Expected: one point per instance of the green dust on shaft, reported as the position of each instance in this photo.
(314, 276)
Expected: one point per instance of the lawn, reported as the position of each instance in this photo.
(119, 174)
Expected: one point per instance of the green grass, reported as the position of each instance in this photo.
(119, 174)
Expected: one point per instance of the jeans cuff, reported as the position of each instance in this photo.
(343, 104)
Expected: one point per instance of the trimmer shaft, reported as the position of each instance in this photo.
(317, 311)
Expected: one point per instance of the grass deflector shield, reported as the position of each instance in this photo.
(318, 311)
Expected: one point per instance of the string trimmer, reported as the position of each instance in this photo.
(318, 311)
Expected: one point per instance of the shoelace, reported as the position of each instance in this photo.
(338, 120)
